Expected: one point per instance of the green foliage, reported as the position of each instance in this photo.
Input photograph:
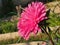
(6, 27)
(54, 20)
(5, 42)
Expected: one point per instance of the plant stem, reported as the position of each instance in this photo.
(44, 29)
(50, 38)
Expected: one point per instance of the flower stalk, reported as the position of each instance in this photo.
(49, 36)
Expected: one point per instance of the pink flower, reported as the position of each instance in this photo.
(30, 17)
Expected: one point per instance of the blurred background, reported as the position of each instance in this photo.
(9, 12)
